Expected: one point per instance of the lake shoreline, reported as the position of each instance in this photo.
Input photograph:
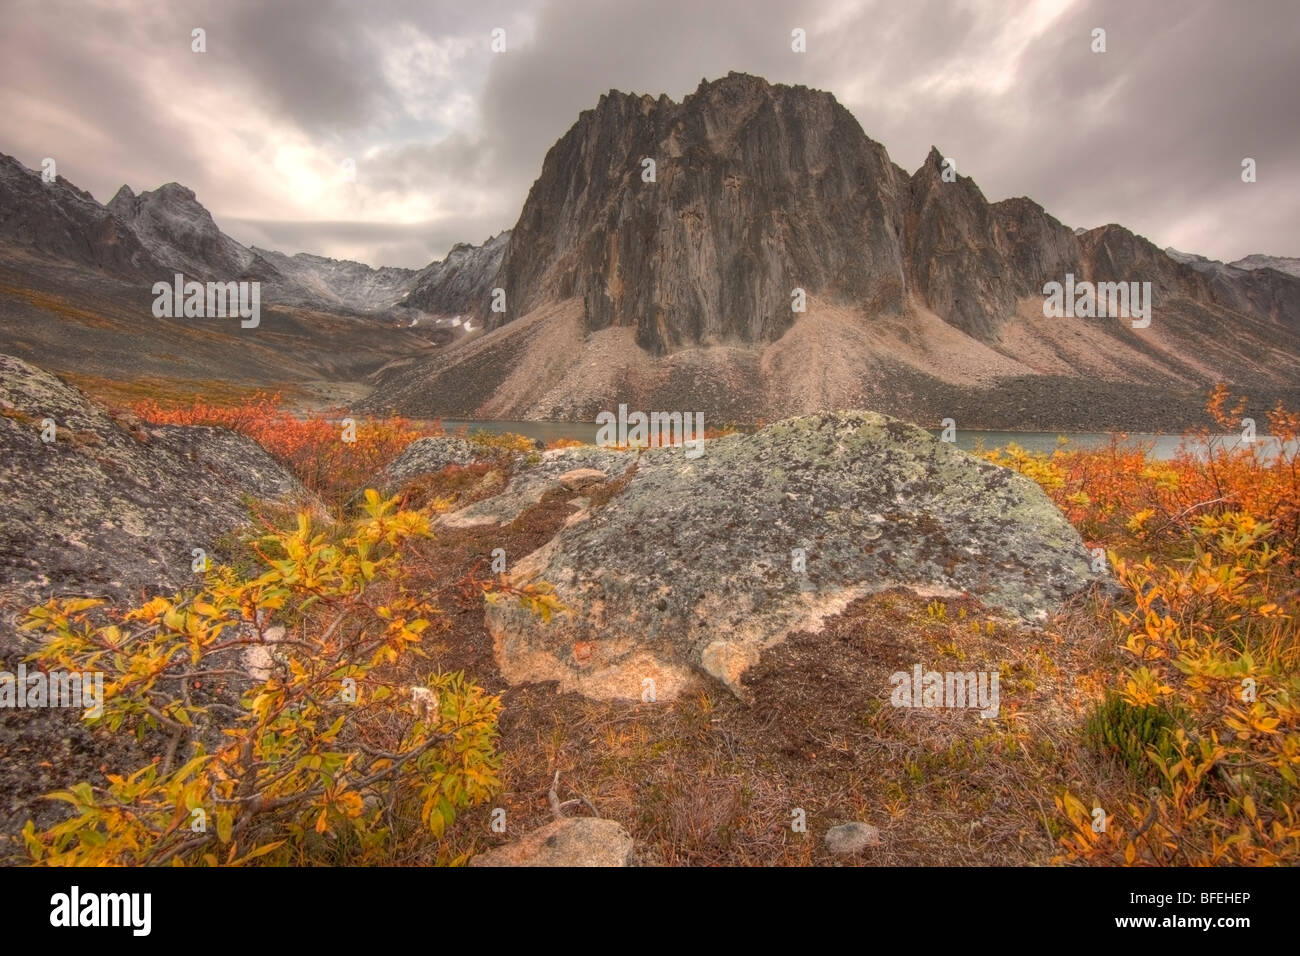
(1159, 446)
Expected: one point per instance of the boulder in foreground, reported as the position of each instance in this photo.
(111, 508)
(699, 564)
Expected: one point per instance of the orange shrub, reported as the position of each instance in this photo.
(313, 448)
(1120, 498)
(1207, 546)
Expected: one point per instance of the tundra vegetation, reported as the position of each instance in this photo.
(1173, 706)
(1205, 716)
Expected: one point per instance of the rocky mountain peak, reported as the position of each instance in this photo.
(59, 220)
(1283, 264)
(694, 222)
(455, 284)
(122, 199)
(754, 190)
(174, 226)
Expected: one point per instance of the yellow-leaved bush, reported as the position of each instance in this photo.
(286, 725)
(1210, 645)
(1207, 548)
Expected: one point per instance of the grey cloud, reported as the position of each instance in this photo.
(1150, 134)
(585, 48)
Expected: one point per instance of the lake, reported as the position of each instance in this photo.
(1161, 446)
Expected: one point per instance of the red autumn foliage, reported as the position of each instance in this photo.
(313, 448)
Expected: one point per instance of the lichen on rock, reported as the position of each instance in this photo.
(697, 565)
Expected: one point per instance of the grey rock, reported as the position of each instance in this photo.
(850, 838)
(428, 456)
(689, 569)
(577, 841)
(99, 512)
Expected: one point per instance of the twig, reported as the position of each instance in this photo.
(556, 807)
(1199, 504)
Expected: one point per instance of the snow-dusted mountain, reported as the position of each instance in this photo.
(342, 283)
(455, 284)
(1191, 259)
(1251, 263)
(180, 233)
(1282, 264)
(157, 233)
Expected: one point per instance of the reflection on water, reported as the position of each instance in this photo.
(1159, 446)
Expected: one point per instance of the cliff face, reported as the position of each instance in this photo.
(758, 190)
(761, 189)
(956, 264)
(924, 300)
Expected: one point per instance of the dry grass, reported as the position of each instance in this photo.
(708, 780)
(58, 305)
(172, 392)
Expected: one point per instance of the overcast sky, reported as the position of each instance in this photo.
(447, 136)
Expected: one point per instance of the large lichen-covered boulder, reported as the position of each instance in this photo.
(112, 508)
(698, 564)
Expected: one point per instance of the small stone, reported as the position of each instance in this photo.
(849, 838)
(576, 841)
(581, 478)
(424, 703)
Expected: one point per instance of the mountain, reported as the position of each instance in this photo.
(63, 222)
(167, 230)
(76, 280)
(453, 285)
(923, 299)
(341, 283)
(179, 232)
(1198, 262)
(749, 253)
(1256, 284)
(710, 251)
(1280, 263)
(1249, 263)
